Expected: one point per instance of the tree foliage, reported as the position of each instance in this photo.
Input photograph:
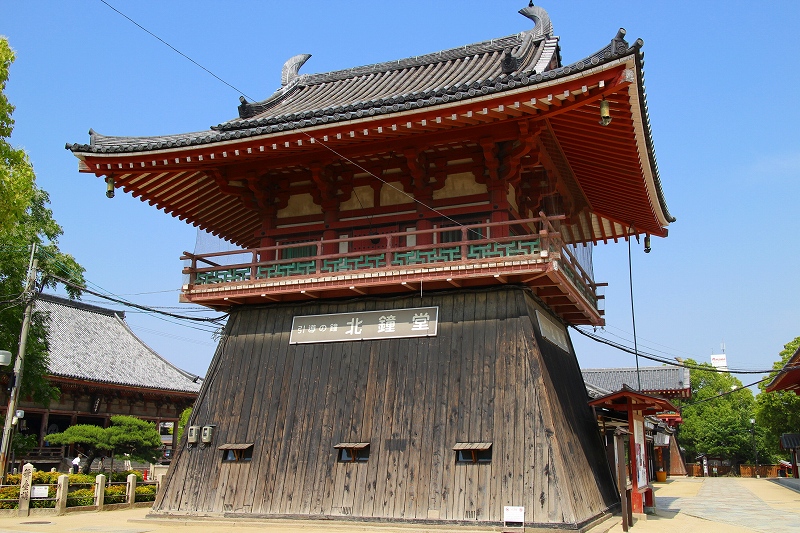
(16, 172)
(778, 412)
(134, 437)
(93, 440)
(127, 435)
(716, 423)
(182, 422)
(25, 219)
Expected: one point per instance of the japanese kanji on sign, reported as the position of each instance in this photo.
(342, 327)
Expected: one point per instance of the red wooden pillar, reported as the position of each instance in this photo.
(267, 225)
(330, 208)
(498, 196)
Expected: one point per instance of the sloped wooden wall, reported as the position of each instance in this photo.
(487, 376)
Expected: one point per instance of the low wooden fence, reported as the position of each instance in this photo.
(696, 470)
(60, 498)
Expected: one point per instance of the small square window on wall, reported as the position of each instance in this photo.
(352, 452)
(237, 453)
(473, 452)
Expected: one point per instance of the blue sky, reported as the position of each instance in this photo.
(721, 87)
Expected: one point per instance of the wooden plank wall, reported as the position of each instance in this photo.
(486, 377)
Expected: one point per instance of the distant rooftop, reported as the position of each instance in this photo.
(95, 344)
(667, 381)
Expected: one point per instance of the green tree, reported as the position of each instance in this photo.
(25, 219)
(126, 435)
(93, 441)
(16, 173)
(182, 421)
(717, 418)
(778, 412)
(135, 438)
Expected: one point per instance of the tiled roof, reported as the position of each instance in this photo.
(789, 376)
(458, 74)
(96, 344)
(595, 392)
(658, 379)
(790, 441)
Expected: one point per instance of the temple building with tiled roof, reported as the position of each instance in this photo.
(664, 381)
(102, 369)
(442, 211)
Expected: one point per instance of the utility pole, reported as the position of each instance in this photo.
(16, 377)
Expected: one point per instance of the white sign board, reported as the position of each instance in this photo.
(553, 331)
(719, 361)
(639, 447)
(365, 325)
(514, 514)
(39, 491)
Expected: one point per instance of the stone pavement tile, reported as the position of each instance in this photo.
(776, 496)
(727, 501)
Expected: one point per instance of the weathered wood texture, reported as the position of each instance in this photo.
(488, 376)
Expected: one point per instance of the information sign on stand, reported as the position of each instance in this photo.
(513, 516)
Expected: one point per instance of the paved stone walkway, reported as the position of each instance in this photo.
(684, 505)
(756, 504)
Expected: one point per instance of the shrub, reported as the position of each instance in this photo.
(145, 493)
(116, 494)
(9, 493)
(80, 497)
(14, 479)
(82, 479)
(123, 476)
(45, 478)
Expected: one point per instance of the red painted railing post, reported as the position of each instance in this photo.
(193, 271)
(388, 250)
(318, 265)
(464, 238)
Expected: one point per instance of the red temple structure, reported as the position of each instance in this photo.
(440, 211)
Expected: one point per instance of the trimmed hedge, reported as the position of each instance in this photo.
(80, 497)
(145, 493)
(51, 478)
(116, 494)
(9, 493)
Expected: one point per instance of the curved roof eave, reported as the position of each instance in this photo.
(101, 144)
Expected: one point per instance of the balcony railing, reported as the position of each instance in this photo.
(454, 247)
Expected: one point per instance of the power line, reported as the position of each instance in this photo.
(137, 306)
(671, 362)
(324, 145)
(172, 47)
(720, 395)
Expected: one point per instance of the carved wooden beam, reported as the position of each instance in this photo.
(242, 192)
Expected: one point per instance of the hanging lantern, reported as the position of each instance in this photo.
(110, 187)
(605, 114)
(647, 244)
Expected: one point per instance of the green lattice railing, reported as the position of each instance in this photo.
(418, 257)
(361, 262)
(307, 267)
(499, 249)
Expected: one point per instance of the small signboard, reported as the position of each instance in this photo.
(365, 325)
(39, 491)
(513, 516)
(553, 331)
(719, 361)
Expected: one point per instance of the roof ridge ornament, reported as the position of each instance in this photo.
(543, 27)
(292, 67)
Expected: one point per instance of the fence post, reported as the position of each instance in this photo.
(25, 490)
(131, 489)
(100, 491)
(61, 494)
